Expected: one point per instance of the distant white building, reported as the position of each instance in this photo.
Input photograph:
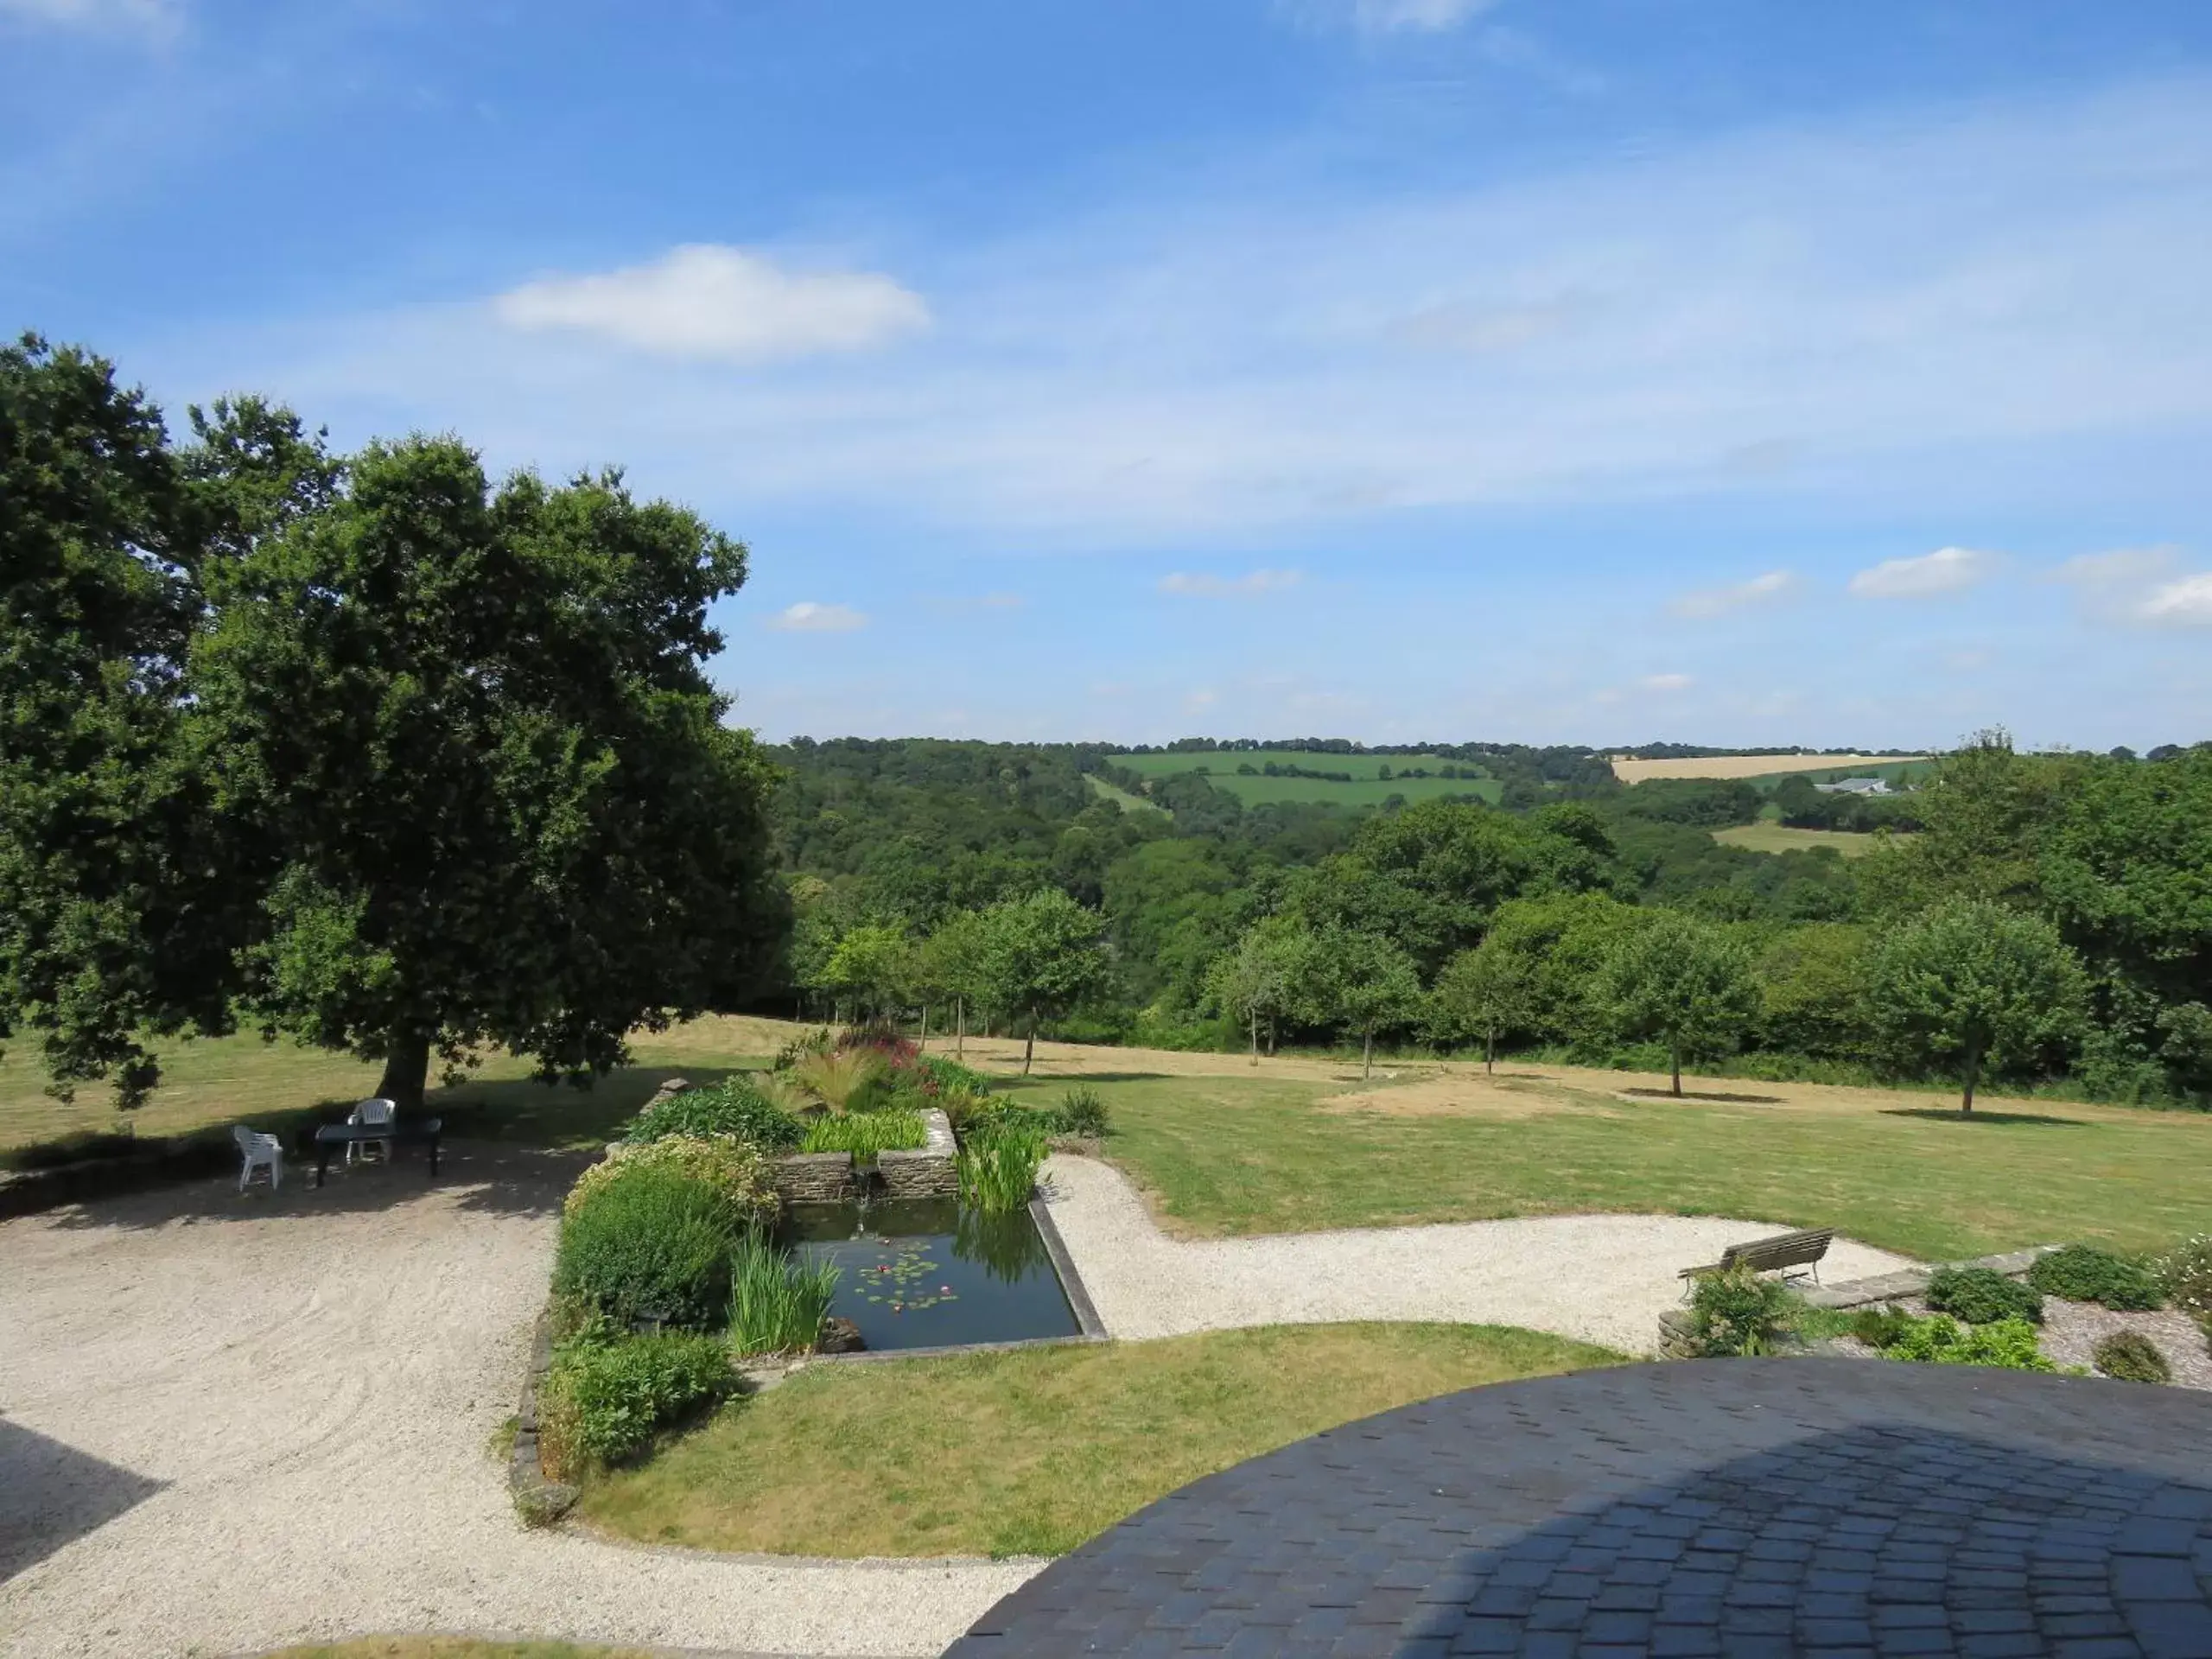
(1856, 786)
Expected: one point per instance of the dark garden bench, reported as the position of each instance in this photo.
(1779, 1253)
(332, 1137)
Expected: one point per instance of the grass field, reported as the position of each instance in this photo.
(1300, 1147)
(1296, 1144)
(1768, 837)
(1758, 768)
(216, 1082)
(974, 1455)
(1368, 787)
(1120, 798)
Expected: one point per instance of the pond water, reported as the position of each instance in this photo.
(924, 1273)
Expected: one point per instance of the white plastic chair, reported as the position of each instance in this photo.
(374, 1112)
(260, 1152)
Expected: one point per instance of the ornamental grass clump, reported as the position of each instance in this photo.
(776, 1303)
(1083, 1111)
(866, 1134)
(948, 1076)
(1982, 1296)
(998, 1168)
(649, 1245)
(846, 1081)
(737, 1106)
(2082, 1273)
(605, 1398)
(2131, 1358)
(1738, 1315)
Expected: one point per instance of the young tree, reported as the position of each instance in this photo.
(1267, 976)
(952, 964)
(1975, 984)
(1680, 981)
(874, 964)
(1040, 956)
(1489, 989)
(1370, 986)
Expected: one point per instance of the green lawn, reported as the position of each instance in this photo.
(212, 1082)
(1767, 837)
(1029, 1452)
(1226, 1155)
(1120, 798)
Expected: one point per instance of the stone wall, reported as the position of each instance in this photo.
(814, 1178)
(932, 1171)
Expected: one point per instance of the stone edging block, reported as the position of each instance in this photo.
(539, 1502)
(1910, 1281)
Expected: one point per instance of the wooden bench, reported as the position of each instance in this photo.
(1779, 1253)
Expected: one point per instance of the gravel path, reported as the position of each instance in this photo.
(230, 1423)
(1604, 1279)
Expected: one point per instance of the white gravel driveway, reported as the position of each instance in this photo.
(1604, 1279)
(229, 1424)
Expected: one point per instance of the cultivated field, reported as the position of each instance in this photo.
(1819, 767)
(1368, 786)
(1765, 838)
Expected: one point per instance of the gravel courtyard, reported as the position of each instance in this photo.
(227, 1423)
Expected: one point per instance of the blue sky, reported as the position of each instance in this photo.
(1589, 370)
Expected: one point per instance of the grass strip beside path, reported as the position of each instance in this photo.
(1030, 1452)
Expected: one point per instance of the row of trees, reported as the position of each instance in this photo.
(363, 748)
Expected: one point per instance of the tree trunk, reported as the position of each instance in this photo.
(959, 1027)
(1490, 1052)
(925, 1043)
(1973, 1072)
(1255, 1036)
(1029, 1048)
(406, 1070)
(1271, 1036)
(1676, 1055)
(1367, 1054)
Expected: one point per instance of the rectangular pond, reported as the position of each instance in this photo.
(924, 1273)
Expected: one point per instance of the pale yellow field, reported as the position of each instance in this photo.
(1748, 766)
(1781, 838)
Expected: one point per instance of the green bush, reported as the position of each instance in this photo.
(864, 1135)
(1083, 1111)
(776, 1303)
(2082, 1273)
(998, 1168)
(2009, 1344)
(603, 1400)
(2131, 1356)
(730, 1167)
(950, 1076)
(1881, 1327)
(650, 1244)
(2184, 1274)
(735, 1107)
(1739, 1314)
(1982, 1296)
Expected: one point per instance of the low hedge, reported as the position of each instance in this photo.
(1982, 1296)
(735, 1108)
(650, 1243)
(730, 1167)
(605, 1399)
(2008, 1345)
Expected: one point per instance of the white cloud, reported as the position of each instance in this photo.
(1244, 587)
(2188, 600)
(808, 617)
(1946, 570)
(1719, 601)
(158, 18)
(1388, 16)
(708, 301)
(1668, 682)
(2118, 568)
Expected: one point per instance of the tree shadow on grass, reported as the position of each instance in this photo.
(1953, 1114)
(1704, 1095)
(1040, 1080)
